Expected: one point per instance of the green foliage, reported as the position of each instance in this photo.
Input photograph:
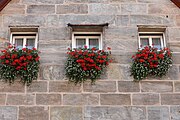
(23, 64)
(83, 64)
(150, 62)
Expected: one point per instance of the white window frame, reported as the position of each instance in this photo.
(146, 35)
(23, 35)
(86, 38)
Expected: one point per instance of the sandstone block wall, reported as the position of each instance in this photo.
(115, 96)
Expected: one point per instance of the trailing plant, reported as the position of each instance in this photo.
(84, 63)
(150, 61)
(23, 63)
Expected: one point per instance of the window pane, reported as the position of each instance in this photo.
(94, 42)
(19, 43)
(80, 42)
(156, 42)
(144, 42)
(30, 43)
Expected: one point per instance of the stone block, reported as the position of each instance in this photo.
(43, 1)
(41, 9)
(37, 86)
(115, 113)
(173, 73)
(24, 20)
(175, 47)
(177, 86)
(33, 113)
(20, 99)
(162, 9)
(13, 88)
(8, 113)
(174, 34)
(170, 99)
(121, 58)
(47, 34)
(80, 99)
(118, 99)
(125, 72)
(100, 87)
(14, 9)
(122, 20)
(128, 86)
(52, 72)
(64, 86)
(133, 9)
(86, 1)
(3, 99)
(156, 86)
(72, 9)
(176, 57)
(48, 99)
(86, 19)
(110, 9)
(178, 20)
(158, 113)
(66, 113)
(122, 1)
(145, 99)
(52, 20)
(174, 112)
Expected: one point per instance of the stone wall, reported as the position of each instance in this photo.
(115, 96)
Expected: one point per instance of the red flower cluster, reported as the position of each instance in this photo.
(90, 59)
(151, 57)
(19, 59)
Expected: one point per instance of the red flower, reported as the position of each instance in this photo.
(34, 48)
(85, 47)
(141, 60)
(108, 48)
(24, 49)
(37, 58)
(93, 49)
(104, 57)
(7, 61)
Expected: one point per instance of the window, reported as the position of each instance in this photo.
(156, 40)
(24, 39)
(89, 39)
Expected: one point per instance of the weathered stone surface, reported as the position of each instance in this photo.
(72, 8)
(173, 73)
(109, 9)
(128, 86)
(86, 1)
(47, 34)
(43, 1)
(162, 9)
(33, 113)
(13, 88)
(52, 20)
(8, 113)
(133, 9)
(122, 1)
(48, 99)
(154, 1)
(121, 58)
(37, 86)
(175, 47)
(20, 99)
(122, 20)
(115, 113)
(14, 9)
(177, 86)
(174, 34)
(174, 112)
(178, 20)
(52, 72)
(115, 99)
(145, 99)
(3, 99)
(125, 72)
(100, 86)
(160, 86)
(86, 19)
(63, 86)
(158, 113)
(24, 20)
(80, 99)
(41, 9)
(66, 113)
(170, 99)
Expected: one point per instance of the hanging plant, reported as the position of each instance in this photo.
(150, 61)
(84, 63)
(23, 63)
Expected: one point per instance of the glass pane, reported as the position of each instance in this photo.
(94, 42)
(80, 42)
(19, 43)
(30, 43)
(156, 42)
(144, 42)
